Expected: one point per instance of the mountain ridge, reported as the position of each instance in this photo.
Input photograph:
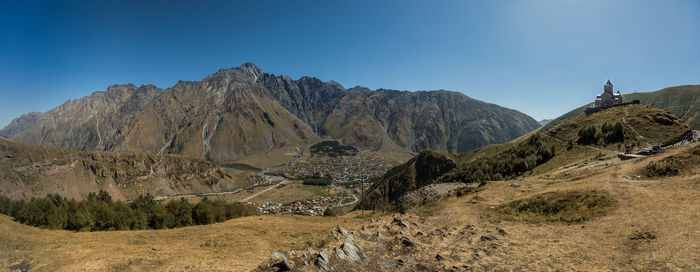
(236, 112)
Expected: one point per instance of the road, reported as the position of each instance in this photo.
(205, 194)
(223, 193)
(264, 191)
(346, 204)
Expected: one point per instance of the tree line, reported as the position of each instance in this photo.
(507, 164)
(99, 212)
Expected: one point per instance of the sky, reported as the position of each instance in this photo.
(542, 58)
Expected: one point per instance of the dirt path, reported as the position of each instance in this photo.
(624, 120)
(264, 191)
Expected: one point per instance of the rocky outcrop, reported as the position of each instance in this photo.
(27, 171)
(418, 172)
(422, 247)
(241, 111)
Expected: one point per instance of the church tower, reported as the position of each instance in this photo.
(608, 87)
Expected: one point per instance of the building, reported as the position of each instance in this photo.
(608, 98)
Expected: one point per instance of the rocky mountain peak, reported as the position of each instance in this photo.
(252, 70)
(240, 111)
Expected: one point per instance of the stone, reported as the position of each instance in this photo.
(501, 231)
(439, 257)
(400, 223)
(487, 238)
(349, 250)
(322, 261)
(280, 261)
(341, 230)
(407, 242)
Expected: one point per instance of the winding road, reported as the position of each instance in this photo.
(347, 204)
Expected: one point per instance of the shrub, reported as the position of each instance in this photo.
(5, 205)
(567, 207)
(587, 135)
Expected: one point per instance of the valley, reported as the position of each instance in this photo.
(430, 213)
(652, 224)
(334, 136)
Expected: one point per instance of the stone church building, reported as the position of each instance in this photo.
(608, 98)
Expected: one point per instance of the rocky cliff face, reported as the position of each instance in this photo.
(418, 172)
(27, 171)
(242, 111)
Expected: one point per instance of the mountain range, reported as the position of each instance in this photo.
(241, 111)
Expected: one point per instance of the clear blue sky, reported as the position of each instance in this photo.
(540, 57)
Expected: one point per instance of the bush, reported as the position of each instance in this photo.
(99, 212)
(608, 133)
(567, 207)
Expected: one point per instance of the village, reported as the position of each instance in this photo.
(346, 174)
(342, 170)
(310, 207)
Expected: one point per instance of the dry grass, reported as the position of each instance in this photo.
(655, 226)
(235, 245)
(684, 163)
(667, 209)
(568, 206)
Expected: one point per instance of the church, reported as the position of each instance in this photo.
(608, 98)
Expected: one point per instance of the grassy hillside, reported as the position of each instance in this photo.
(235, 245)
(27, 171)
(682, 101)
(613, 130)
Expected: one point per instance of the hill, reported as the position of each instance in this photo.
(599, 217)
(414, 174)
(613, 130)
(244, 111)
(585, 219)
(682, 101)
(27, 171)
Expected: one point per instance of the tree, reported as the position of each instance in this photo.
(82, 219)
(587, 135)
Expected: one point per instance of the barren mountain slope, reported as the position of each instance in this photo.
(27, 171)
(242, 111)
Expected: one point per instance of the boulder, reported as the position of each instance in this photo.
(349, 250)
(322, 261)
(400, 223)
(281, 262)
(341, 230)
